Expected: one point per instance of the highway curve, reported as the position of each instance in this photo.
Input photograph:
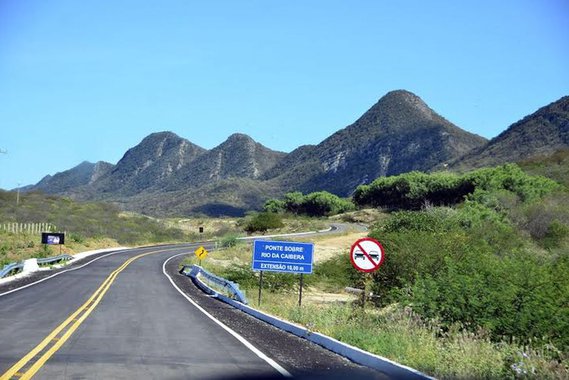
(121, 317)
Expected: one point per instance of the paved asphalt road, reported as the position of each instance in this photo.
(118, 318)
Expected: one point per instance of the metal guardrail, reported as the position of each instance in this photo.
(11, 268)
(229, 286)
(54, 259)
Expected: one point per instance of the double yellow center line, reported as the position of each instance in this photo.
(27, 367)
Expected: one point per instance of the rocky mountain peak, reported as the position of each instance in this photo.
(404, 98)
(399, 133)
(239, 138)
(237, 157)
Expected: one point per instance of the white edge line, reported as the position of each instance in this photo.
(245, 342)
(58, 273)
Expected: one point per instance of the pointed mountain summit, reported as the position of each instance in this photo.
(541, 133)
(400, 133)
(69, 181)
(151, 163)
(237, 157)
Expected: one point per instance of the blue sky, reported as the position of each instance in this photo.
(87, 80)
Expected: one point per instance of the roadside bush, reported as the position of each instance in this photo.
(274, 206)
(470, 267)
(323, 203)
(514, 296)
(511, 178)
(77, 238)
(293, 202)
(247, 278)
(546, 220)
(240, 274)
(264, 221)
(230, 240)
(320, 203)
(414, 190)
(336, 273)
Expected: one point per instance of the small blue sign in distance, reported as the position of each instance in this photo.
(283, 256)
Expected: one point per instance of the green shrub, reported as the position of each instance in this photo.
(85, 220)
(472, 268)
(511, 178)
(264, 221)
(249, 279)
(557, 232)
(320, 203)
(515, 295)
(323, 203)
(293, 202)
(230, 240)
(240, 274)
(274, 206)
(336, 273)
(77, 238)
(414, 190)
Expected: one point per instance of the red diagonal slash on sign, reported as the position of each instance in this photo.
(358, 244)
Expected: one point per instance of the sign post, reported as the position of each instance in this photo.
(284, 257)
(260, 287)
(367, 255)
(201, 253)
(53, 238)
(300, 290)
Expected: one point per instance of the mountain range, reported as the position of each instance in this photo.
(168, 175)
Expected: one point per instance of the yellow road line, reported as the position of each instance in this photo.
(87, 308)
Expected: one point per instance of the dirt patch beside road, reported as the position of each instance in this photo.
(330, 246)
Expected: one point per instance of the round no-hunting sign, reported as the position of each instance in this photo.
(367, 255)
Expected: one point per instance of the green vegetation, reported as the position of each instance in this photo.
(396, 331)
(84, 220)
(475, 283)
(319, 203)
(555, 166)
(263, 221)
(88, 226)
(414, 190)
(480, 276)
(100, 225)
(403, 336)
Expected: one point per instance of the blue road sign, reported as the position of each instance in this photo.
(282, 256)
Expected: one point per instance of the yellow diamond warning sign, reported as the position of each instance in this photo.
(201, 253)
